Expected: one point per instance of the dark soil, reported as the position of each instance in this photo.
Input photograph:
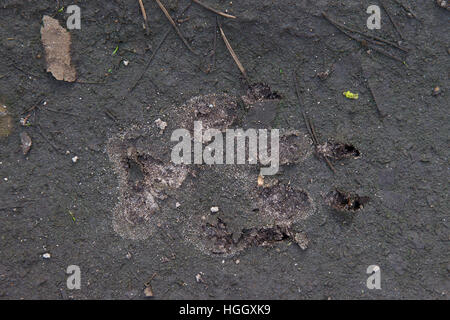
(399, 126)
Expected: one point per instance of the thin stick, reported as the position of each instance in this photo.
(89, 82)
(309, 124)
(362, 42)
(317, 142)
(184, 10)
(297, 92)
(313, 132)
(214, 45)
(337, 24)
(62, 112)
(226, 15)
(391, 19)
(149, 61)
(212, 54)
(25, 72)
(144, 14)
(175, 27)
(111, 115)
(233, 54)
(46, 139)
(406, 8)
(374, 99)
(13, 207)
(387, 54)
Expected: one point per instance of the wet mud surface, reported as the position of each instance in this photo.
(96, 188)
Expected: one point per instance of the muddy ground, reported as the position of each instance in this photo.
(50, 204)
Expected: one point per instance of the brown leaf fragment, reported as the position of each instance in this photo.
(148, 292)
(26, 142)
(6, 123)
(56, 41)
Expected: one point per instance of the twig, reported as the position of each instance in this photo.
(175, 27)
(111, 115)
(309, 124)
(46, 139)
(144, 15)
(406, 8)
(185, 9)
(150, 280)
(214, 45)
(394, 23)
(363, 43)
(226, 15)
(108, 112)
(387, 54)
(341, 26)
(64, 112)
(212, 54)
(89, 82)
(25, 72)
(297, 93)
(374, 99)
(233, 54)
(13, 207)
(149, 61)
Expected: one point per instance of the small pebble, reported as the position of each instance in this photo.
(75, 159)
(198, 277)
(46, 255)
(214, 209)
(26, 142)
(23, 121)
(125, 62)
(437, 90)
(301, 240)
(161, 124)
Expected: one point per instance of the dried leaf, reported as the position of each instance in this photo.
(6, 123)
(26, 142)
(56, 41)
(148, 291)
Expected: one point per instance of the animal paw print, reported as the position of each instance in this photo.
(254, 210)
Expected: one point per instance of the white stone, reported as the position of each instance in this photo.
(214, 209)
(161, 124)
